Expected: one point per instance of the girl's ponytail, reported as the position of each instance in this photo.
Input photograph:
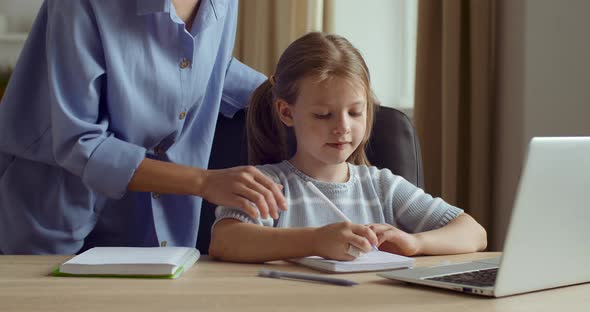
(267, 143)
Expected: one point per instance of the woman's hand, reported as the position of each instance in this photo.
(394, 240)
(332, 241)
(243, 187)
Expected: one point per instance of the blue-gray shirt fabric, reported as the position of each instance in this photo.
(370, 195)
(98, 87)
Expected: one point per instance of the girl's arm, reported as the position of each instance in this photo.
(462, 235)
(233, 240)
(418, 212)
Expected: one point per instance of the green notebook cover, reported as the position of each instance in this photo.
(176, 274)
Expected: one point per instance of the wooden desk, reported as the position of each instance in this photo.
(25, 285)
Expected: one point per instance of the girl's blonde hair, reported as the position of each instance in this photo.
(317, 55)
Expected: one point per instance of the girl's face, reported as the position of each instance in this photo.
(329, 120)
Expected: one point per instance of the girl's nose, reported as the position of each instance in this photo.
(342, 126)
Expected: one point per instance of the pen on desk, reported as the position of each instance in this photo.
(306, 277)
(331, 205)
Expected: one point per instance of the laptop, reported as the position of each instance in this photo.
(548, 239)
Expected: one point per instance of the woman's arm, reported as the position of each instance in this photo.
(235, 187)
(233, 240)
(167, 178)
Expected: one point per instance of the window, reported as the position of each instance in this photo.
(385, 33)
(16, 18)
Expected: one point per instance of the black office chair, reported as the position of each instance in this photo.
(393, 145)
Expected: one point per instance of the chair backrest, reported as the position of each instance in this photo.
(393, 145)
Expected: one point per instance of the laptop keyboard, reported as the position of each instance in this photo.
(481, 278)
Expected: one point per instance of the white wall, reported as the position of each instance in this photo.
(543, 84)
(385, 33)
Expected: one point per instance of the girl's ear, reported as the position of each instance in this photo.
(285, 113)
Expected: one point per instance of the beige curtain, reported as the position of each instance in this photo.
(266, 27)
(454, 112)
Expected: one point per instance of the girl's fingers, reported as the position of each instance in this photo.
(366, 232)
(380, 228)
(389, 236)
(348, 257)
(360, 242)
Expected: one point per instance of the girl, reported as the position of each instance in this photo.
(321, 90)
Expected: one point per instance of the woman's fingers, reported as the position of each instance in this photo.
(246, 206)
(275, 189)
(246, 188)
(255, 195)
(269, 197)
(262, 191)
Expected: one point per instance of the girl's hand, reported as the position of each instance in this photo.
(241, 187)
(332, 241)
(394, 240)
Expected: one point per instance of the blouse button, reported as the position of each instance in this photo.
(182, 115)
(184, 63)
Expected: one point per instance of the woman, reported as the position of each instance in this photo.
(108, 120)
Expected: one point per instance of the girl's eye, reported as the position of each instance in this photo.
(322, 116)
(356, 114)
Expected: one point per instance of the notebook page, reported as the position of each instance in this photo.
(373, 257)
(130, 255)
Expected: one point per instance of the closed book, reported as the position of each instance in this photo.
(154, 262)
(372, 261)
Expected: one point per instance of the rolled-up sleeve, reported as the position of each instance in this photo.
(240, 81)
(82, 143)
(223, 212)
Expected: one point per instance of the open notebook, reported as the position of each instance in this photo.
(372, 261)
(154, 262)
